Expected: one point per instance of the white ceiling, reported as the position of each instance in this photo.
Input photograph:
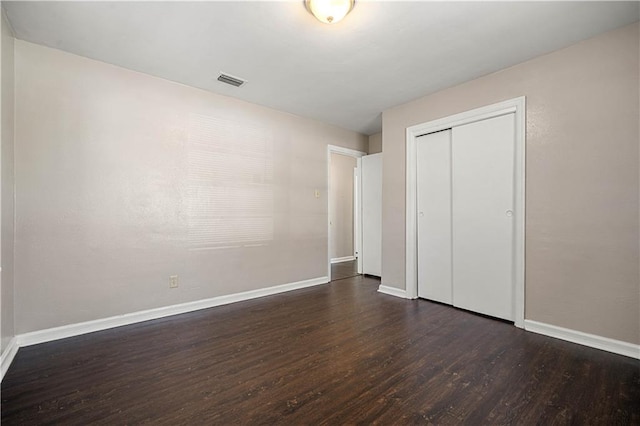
(383, 54)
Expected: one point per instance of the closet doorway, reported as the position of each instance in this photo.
(465, 211)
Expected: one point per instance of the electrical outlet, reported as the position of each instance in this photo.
(173, 281)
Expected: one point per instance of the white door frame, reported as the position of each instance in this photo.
(357, 215)
(333, 149)
(517, 106)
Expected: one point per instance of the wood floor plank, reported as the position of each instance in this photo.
(336, 354)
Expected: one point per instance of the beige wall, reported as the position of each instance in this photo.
(375, 143)
(6, 196)
(581, 187)
(123, 179)
(341, 205)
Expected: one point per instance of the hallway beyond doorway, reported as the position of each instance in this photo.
(344, 270)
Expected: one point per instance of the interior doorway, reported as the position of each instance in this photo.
(344, 212)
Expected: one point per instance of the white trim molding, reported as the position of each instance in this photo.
(517, 106)
(343, 259)
(71, 330)
(7, 356)
(392, 291)
(586, 339)
(346, 151)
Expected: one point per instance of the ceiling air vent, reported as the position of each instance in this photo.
(229, 79)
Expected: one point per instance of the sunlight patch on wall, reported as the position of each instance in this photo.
(230, 184)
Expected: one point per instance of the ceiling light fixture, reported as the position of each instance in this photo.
(329, 11)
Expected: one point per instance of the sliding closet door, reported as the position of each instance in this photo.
(434, 216)
(482, 216)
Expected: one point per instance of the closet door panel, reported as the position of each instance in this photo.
(434, 216)
(482, 216)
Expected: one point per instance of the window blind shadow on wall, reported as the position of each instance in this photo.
(230, 189)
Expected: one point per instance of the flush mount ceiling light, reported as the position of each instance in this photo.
(329, 11)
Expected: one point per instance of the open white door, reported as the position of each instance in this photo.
(372, 214)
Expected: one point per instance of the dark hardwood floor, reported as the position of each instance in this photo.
(344, 270)
(333, 354)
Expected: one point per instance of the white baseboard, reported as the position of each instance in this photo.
(7, 356)
(343, 259)
(586, 339)
(392, 291)
(71, 330)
